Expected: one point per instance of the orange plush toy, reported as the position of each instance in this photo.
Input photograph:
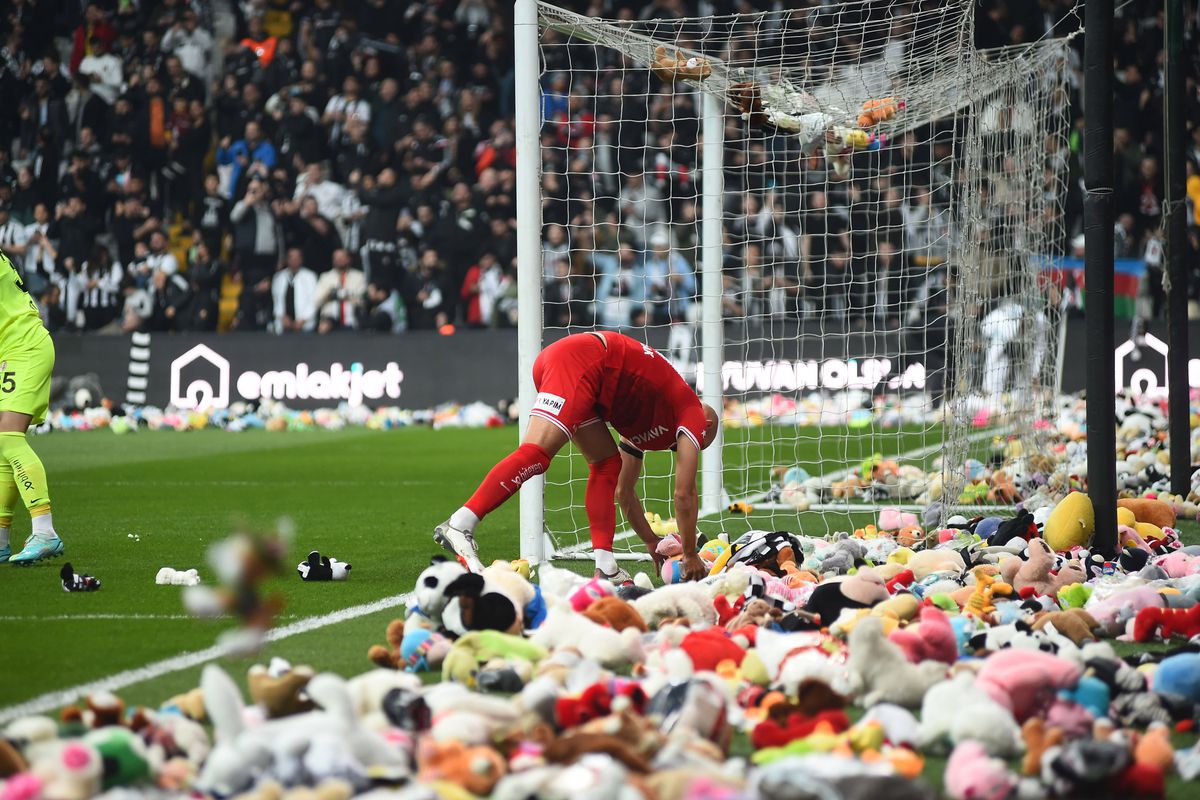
(476, 769)
(877, 111)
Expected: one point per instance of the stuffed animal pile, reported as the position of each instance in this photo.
(985, 641)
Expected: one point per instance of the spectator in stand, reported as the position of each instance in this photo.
(105, 71)
(241, 156)
(426, 310)
(670, 281)
(13, 236)
(191, 43)
(341, 108)
(210, 216)
(294, 292)
(94, 290)
(161, 258)
(171, 294)
(41, 256)
(339, 295)
(204, 275)
(94, 29)
(257, 239)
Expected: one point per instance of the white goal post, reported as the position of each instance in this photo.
(833, 222)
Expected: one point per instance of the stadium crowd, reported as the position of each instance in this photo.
(350, 165)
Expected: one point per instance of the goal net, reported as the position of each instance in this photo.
(887, 199)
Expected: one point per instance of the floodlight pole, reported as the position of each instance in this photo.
(1098, 270)
(1175, 278)
(529, 255)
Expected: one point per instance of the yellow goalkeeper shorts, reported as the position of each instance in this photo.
(26, 362)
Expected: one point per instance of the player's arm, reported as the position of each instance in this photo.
(628, 500)
(687, 460)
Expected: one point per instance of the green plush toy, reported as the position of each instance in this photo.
(479, 647)
(1074, 596)
(126, 761)
(974, 493)
(945, 602)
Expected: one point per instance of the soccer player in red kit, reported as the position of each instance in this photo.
(584, 381)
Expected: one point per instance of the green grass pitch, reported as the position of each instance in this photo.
(367, 497)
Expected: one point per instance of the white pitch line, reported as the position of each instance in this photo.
(113, 683)
(916, 452)
(69, 617)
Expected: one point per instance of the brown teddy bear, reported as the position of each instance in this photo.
(389, 657)
(616, 614)
(1074, 623)
(279, 688)
(680, 67)
(1035, 573)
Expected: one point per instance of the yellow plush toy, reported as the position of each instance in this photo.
(1071, 523)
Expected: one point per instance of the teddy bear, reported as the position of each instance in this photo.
(1074, 623)
(616, 614)
(1025, 681)
(1035, 572)
(830, 598)
(477, 648)
(879, 670)
(958, 709)
(566, 629)
(279, 688)
(670, 69)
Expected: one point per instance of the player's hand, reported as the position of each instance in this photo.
(693, 568)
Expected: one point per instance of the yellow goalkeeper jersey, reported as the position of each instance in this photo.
(18, 312)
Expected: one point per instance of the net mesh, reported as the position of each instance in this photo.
(890, 195)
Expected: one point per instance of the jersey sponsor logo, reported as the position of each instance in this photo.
(653, 433)
(550, 403)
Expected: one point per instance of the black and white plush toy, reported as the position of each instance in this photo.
(322, 568)
(459, 601)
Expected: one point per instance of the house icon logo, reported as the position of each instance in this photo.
(1147, 376)
(192, 379)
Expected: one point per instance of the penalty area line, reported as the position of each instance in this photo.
(59, 698)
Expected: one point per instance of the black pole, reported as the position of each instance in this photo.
(1176, 275)
(1098, 269)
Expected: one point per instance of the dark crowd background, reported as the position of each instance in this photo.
(319, 166)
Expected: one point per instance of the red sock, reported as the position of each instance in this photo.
(599, 499)
(506, 478)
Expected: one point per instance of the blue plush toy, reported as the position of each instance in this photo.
(1179, 675)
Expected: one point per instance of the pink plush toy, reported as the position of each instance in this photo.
(972, 775)
(589, 593)
(932, 639)
(1026, 681)
(893, 519)
(1179, 564)
(1115, 612)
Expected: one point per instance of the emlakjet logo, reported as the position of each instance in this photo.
(194, 386)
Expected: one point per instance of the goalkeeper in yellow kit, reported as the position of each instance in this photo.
(26, 361)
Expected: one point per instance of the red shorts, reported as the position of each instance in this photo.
(567, 377)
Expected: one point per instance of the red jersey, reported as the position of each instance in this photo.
(630, 385)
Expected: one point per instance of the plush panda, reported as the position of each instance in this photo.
(460, 601)
(430, 591)
(322, 568)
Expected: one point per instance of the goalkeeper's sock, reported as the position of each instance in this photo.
(605, 562)
(8, 499)
(506, 478)
(599, 502)
(30, 478)
(464, 520)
